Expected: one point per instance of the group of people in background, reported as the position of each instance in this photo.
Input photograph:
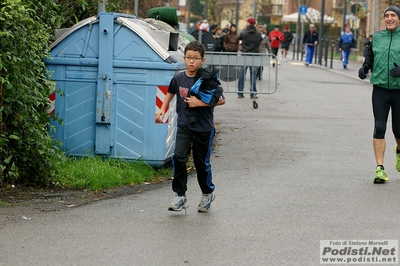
(252, 39)
(257, 39)
(227, 39)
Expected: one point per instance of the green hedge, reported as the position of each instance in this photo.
(27, 152)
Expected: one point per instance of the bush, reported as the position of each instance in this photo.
(28, 154)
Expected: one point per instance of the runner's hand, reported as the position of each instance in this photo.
(362, 72)
(395, 72)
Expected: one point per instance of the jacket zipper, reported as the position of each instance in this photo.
(388, 64)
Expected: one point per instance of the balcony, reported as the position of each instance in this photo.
(277, 10)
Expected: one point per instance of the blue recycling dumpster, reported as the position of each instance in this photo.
(112, 72)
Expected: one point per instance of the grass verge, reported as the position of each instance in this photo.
(2, 204)
(96, 173)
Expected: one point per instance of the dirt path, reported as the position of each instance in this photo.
(24, 202)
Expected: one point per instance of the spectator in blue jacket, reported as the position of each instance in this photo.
(310, 40)
(346, 42)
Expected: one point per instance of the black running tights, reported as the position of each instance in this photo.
(384, 100)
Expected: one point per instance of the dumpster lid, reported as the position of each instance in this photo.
(144, 30)
(161, 25)
(77, 26)
(141, 28)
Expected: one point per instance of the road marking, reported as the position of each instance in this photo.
(297, 63)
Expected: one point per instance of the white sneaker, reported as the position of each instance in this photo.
(285, 60)
(205, 203)
(281, 58)
(178, 203)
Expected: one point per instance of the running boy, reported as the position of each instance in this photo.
(195, 128)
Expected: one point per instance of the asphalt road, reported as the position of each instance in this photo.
(297, 170)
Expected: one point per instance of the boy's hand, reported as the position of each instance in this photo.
(193, 101)
(159, 117)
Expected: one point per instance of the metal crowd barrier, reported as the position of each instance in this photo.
(232, 65)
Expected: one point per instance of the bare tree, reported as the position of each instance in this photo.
(392, 3)
(228, 12)
(215, 9)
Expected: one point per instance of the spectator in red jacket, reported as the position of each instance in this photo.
(276, 37)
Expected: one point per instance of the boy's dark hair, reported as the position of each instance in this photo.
(195, 46)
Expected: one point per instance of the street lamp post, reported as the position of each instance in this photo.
(101, 7)
(136, 8)
(377, 13)
(344, 14)
(321, 30)
(206, 9)
(297, 29)
(254, 11)
(237, 13)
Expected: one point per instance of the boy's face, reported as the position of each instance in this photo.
(193, 61)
